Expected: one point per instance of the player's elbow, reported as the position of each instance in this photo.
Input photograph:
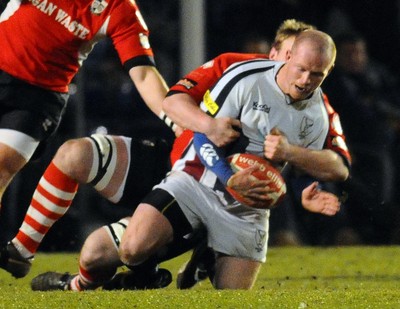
(343, 175)
(339, 174)
(338, 170)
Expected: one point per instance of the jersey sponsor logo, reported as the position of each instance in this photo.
(261, 107)
(305, 127)
(72, 25)
(209, 154)
(98, 6)
(211, 105)
(260, 238)
(44, 6)
(188, 84)
(61, 17)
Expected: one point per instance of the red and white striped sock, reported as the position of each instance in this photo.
(81, 281)
(86, 280)
(51, 200)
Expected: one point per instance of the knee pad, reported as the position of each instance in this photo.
(105, 163)
(104, 160)
(116, 230)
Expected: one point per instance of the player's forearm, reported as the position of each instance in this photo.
(151, 86)
(324, 165)
(183, 110)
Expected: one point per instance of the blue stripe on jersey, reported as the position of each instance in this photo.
(212, 157)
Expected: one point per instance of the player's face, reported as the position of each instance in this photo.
(305, 70)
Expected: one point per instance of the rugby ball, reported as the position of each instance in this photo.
(265, 171)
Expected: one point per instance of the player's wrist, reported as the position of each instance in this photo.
(210, 126)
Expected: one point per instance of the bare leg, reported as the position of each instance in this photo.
(71, 166)
(235, 273)
(98, 261)
(11, 162)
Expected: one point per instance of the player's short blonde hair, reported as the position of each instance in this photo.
(289, 28)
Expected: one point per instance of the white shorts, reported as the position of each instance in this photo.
(232, 229)
(20, 142)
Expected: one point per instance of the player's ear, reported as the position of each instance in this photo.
(273, 53)
(288, 55)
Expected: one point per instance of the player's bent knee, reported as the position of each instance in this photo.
(132, 253)
(99, 250)
(74, 158)
(91, 254)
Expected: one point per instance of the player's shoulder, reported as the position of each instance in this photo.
(253, 64)
(243, 75)
(126, 6)
(248, 71)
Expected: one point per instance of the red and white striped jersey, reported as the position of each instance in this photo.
(198, 81)
(44, 42)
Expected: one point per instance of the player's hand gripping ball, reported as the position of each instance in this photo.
(265, 171)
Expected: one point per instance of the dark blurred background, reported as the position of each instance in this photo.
(104, 99)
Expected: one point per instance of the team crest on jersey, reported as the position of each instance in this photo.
(305, 127)
(98, 6)
(187, 83)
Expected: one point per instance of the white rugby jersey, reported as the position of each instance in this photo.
(248, 91)
(44, 42)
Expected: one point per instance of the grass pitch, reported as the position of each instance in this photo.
(305, 277)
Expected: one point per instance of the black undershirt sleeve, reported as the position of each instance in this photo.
(139, 61)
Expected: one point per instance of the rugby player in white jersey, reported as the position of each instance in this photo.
(287, 99)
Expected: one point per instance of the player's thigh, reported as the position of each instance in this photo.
(11, 161)
(235, 273)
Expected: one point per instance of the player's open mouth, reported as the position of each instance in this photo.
(300, 89)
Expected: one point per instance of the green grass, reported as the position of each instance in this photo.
(345, 277)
